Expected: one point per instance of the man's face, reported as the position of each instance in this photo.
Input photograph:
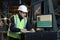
(23, 14)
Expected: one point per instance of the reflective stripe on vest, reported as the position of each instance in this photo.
(18, 24)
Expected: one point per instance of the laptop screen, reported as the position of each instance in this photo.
(44, 20)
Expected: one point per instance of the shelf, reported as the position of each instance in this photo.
(13, 9)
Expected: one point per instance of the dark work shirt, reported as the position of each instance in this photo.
(14, 29)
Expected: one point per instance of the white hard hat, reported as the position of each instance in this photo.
(23, 8)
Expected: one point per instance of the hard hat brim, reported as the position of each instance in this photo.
(23, 10)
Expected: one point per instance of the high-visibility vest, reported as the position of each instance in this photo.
(18, 24)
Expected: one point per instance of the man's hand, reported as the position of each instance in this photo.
(23, 30)
(32, 30)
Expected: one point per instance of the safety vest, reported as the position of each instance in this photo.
(18, 24)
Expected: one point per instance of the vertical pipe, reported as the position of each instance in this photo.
(19, 1)
(51, 10)
(46, 7)
(4, 7)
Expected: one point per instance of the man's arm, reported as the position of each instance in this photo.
(12, 27)
(28, 25)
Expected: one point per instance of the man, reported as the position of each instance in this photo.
(18, 24)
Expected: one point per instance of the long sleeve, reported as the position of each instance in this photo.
(29, 25)
(12, 27)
